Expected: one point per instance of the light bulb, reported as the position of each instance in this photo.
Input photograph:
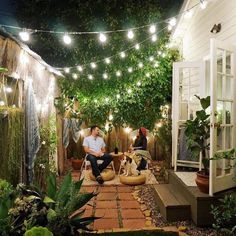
(169, 27)
(24, 36)
(156, 64)
(152, 29)
(118, 96)
(129, 91)
(172, 21)
(107, 60)
(148, 75)
(67, 39)
(203, 4)
(95, 100)
(154, 38)
(151, 58)
(93, 65)
(110, 117)
(130, 34)
(8, 89)
(102, 38)
(118, 73)
(122, 54)
(106, 99)
(140, 65)
(130, 69)
(75, 76)
(80, 68)
(159, 52)
(67, 70)
(105, 76)
(137, 46)
(188, 14)
(2, 103)
(138, 83)
(90, 77)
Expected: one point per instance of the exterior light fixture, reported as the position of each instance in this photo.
(216, 28)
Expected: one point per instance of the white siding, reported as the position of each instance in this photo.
(196, 35)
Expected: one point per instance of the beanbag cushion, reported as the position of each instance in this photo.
(133, 180)
(107, 175)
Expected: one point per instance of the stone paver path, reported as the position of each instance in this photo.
(118, 207)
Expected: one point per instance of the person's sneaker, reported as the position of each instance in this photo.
(99, 179)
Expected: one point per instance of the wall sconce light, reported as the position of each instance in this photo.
(216, 28)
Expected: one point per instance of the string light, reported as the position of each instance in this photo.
(122, 55)
(154, 38)
(140, 65)
(93, 65)
(118, 73)
(110, 117)
(130, 69)
(67, 70)
(172, 21)
(152, 29)
(95, 100)
(148, 74)
(203, 4)
(2, 103)
(106, 99)
(188, 14)
(75, 76)
(107, 60)
(151, 58)
(130, 34)
(90, 77)
(67, 39)
(105, 76)
(129, 91)
(80, 68)
(118, 96)
(137, 46)
(24, 35)
(102, 38)
(138, 83)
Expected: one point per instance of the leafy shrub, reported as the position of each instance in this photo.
(38, 231)
(225, 215)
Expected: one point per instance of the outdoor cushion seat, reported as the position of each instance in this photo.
(133, 180)
(107, 175)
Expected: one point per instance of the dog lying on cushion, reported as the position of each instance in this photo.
(129, 166)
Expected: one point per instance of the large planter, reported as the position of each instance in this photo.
(76, 163)
(202, 182)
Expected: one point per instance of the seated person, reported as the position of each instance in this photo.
(140, 149)
(94, 146)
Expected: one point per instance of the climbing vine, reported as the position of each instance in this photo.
(11, 143)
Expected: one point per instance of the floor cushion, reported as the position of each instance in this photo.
(106, 174)
(133, 180)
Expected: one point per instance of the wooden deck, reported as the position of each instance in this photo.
(177, 201)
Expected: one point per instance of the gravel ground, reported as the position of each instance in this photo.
(147, 195)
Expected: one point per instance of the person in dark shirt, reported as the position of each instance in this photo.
(140, 148)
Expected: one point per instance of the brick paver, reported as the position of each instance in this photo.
(133, 223)
(129, 204)
(106, 204)
(106, 224)
(125, 196)
(107, 189)
(132, 214)
(124, 189)
(107, 196)
(107, 213)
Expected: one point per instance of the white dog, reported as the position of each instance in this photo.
(129, 166)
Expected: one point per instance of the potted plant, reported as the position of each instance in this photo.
(198, 132)
(76, 161)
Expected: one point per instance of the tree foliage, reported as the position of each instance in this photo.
(141, 107)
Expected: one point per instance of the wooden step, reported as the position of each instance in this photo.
(172, 204)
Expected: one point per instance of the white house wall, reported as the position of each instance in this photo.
(195, 32)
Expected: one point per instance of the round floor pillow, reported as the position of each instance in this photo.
(106, 174)
(133, 180)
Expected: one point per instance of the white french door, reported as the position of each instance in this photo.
(223, 113)
(188, 80)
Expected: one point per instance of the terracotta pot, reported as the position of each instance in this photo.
(202, 182)
(76, 163)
